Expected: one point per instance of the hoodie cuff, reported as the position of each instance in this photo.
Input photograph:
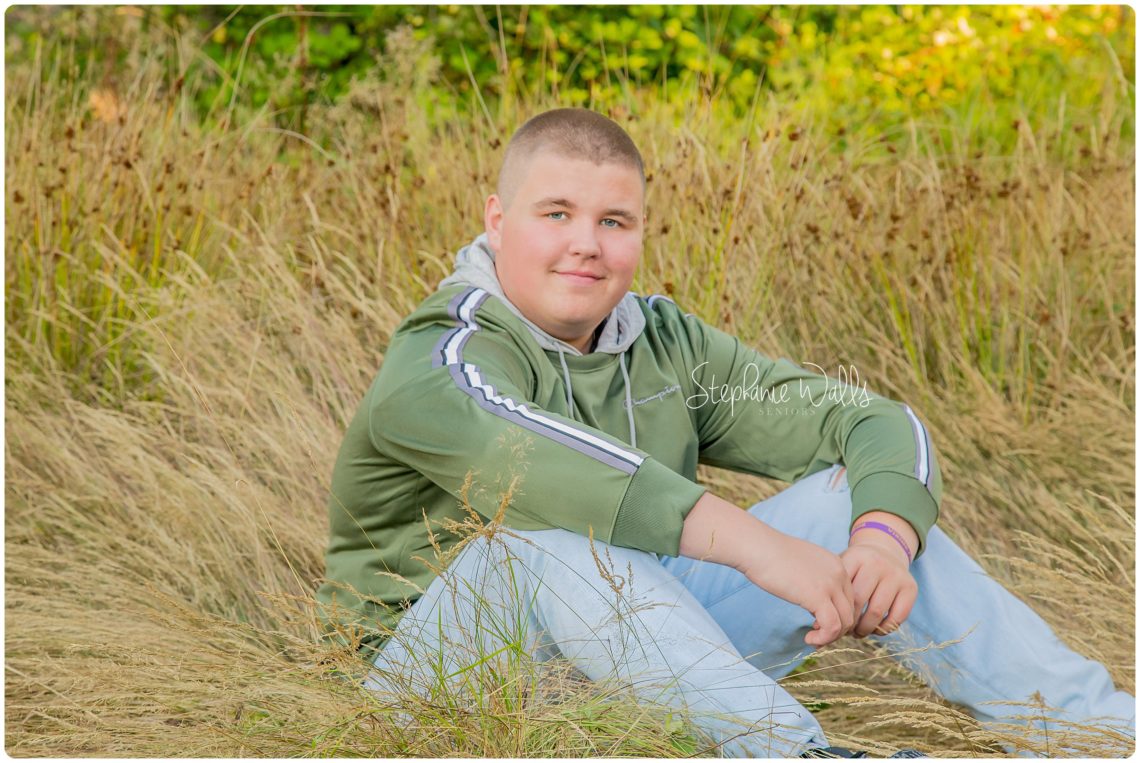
(654, 508)
(898, 494)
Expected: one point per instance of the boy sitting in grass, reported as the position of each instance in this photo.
(535, 388)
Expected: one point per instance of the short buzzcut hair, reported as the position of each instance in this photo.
(571, 133)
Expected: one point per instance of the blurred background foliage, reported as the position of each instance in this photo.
(980, 67)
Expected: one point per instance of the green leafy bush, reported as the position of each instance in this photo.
(848, 65)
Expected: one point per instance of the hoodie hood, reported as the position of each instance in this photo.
(475, 266)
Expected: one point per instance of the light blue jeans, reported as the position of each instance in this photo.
(700, 636)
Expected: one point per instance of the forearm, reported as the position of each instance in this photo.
(718, 531)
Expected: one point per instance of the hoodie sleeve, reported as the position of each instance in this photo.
(461, 411)
(772, 418)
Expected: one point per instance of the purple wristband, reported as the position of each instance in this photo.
(888, 530)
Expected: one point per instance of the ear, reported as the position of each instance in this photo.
(493, 222)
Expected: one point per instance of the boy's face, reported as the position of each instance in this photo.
(568, 243)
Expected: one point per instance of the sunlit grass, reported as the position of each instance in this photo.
(193, 314)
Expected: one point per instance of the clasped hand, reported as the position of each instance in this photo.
(866, 589)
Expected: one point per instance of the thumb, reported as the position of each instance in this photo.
(851, 562)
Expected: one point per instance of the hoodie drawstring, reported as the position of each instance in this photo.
(628, 402)
(566, 383)
(628, 394)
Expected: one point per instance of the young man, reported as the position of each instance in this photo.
(536, 388)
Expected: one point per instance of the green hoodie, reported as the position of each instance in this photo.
(605, 443)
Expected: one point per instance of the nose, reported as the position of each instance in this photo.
(584, 240)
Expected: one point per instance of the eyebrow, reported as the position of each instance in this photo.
(553, 201)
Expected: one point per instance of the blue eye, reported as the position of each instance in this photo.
(608, 220)
(551, 215)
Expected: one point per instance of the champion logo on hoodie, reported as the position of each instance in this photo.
(659, 396)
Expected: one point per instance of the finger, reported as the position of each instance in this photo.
(843, 599)
(862, 585)
(900, 609)
(849, 592)
(846, 609)
(877, 608)
(886, 628)
(827, 626)
(904, 603)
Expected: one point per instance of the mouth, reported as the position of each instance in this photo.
(579, 276)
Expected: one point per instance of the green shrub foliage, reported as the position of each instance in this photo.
(848, 64)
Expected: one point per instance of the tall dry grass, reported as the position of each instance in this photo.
(193, 313)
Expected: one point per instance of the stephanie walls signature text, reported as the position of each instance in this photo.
(845, 388)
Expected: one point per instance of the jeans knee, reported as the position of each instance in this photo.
(817, 508)
(576, 552)
(532, 558)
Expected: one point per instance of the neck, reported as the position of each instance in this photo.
(592, 339)
(587, 343)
